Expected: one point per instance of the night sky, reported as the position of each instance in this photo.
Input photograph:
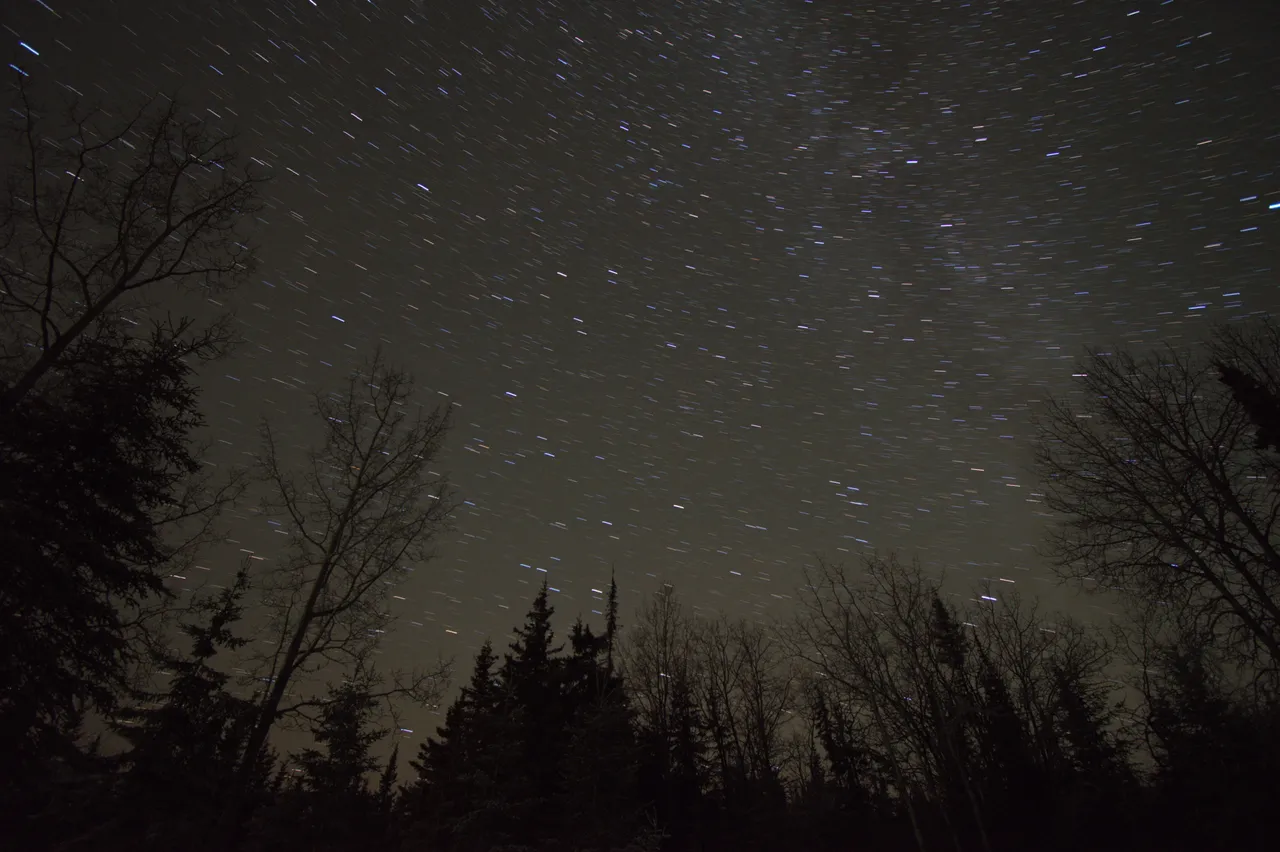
(715, 286)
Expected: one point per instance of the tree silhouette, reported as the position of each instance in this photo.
(97, 406)
(97, 211)
(329, 805)
(193, 732)
(1247, 359)
(534, 676)
(364, 510)
(1165, 498)
(660, 664)
(465, 773)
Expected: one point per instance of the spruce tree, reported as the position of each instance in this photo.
(466, 773)
(186, 739)
(102, 216)
(600, 763)
(1260, 402)
(340, 768)
(534, 674)
(329, 807)
(87, 468)
(611, 622)
(386, 795)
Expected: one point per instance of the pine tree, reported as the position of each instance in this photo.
(682, 752)
(852, 788)
(950, 642)
(86, 471)
(952, 704)
(1010, 785)
(611, 621)
(1085, 725)
(534, 674)
(185, 740)
(1259, 402)
(467, 772)
(341, 767)
(329, 807)
(532, 654)
(186, 746)
(600, 762)
(195, 725)
(1092, 779)
(386, 796)
(598, 768)
(443, 759)
(1216, 756)
(862, 786)
(539, 753)
(96, 411)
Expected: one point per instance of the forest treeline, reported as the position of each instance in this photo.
(889, 712)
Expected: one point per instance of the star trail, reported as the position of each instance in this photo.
(714, 286)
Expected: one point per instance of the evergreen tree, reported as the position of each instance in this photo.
(1259, 402)
(187, 744)
(598, 773)
(329, 807)
(341, 767)
(87, 468)
(1216, 757)
(673, 765)
(386, 795)
(954, 710)
(1086, 727)
(856, 775)
(1010, 785)
(528, 665)
(466, 773)
(535, 677)
(96, 411)
(851, 789)
(540, 753)
(611, 622)
(1092, 779)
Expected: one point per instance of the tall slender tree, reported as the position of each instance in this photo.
(533, 673)
(364, 511)
(611, 621)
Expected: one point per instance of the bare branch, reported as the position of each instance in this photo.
(97, 211)
(365, 508)
(1163, 495)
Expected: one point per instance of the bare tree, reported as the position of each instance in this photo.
(745, 694)
(1165, 495)
(363, 511)
(658, 660)
(802, 769)
(104, 207)
(964, 703)
(858, 635)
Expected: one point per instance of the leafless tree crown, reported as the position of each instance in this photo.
(1164, 494)
(99, 207)
(361, 510)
